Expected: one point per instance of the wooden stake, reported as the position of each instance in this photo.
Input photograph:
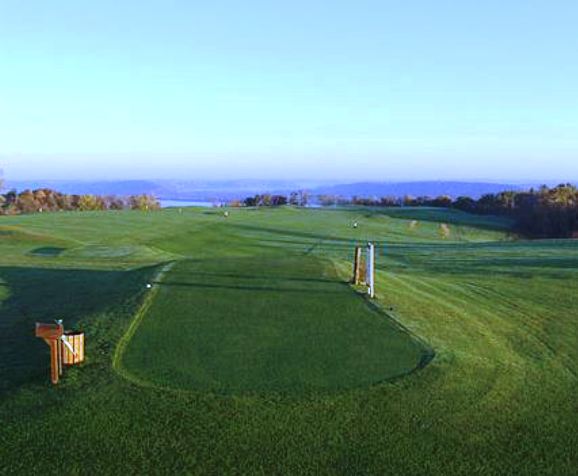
(53, 343)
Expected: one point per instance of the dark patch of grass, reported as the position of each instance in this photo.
(47, 251)
(43, 295)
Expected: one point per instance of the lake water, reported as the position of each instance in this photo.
(184, 203)
(192, 203)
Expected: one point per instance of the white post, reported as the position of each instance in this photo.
(370, 278)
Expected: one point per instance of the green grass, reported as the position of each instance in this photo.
(500, 396)
(254, 325)
(31, 294)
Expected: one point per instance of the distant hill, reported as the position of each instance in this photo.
(167, 189)
(121, 187)
(416, 189)
(234, 189)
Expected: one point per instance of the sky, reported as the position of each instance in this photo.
(338, 90)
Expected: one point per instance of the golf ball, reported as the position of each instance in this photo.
(149, 286)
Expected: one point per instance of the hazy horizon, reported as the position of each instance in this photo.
(42, 170)
(299, 181)
(190, 177)
(371, 90)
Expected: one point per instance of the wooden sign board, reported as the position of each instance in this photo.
(48, 331)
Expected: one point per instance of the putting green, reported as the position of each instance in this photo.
(286, 325)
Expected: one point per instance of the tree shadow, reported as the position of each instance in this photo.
(445, 215)
(261, 277)
(243, 287)
(429, 214)
(47, 251)
(43, 295)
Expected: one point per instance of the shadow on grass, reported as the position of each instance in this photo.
(42, 295)
(452, 217)
(427, 352)
(242, 287)
(436, 214)
(263, 276)
(47, 251)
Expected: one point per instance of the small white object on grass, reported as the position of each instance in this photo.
(354, 224)
(149, 285)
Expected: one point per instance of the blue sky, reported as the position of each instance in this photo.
(381, 90)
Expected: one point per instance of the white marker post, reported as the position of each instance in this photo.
(356, 266)
(370, 274)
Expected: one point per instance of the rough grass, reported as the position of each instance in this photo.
(500, 397)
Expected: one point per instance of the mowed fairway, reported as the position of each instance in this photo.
(251, 354)
(245, 325)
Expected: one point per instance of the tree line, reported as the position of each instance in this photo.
(47, 200)
(543, 212)
(299, 199)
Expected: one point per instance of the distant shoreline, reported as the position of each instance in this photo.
(186, 203)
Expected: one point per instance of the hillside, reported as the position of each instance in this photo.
(251, 353)
(416, 189)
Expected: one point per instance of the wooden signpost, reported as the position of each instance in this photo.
(57, 340)
(51, 333)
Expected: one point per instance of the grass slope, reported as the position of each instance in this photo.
(500, 397)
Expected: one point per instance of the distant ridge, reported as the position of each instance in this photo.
(117, 187)
(426, 188)
(236, 189)
(166, 189)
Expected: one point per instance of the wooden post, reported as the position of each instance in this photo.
(356, 265)
(370, 274)
(51, 334)
(60, 348)
(53, 343)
